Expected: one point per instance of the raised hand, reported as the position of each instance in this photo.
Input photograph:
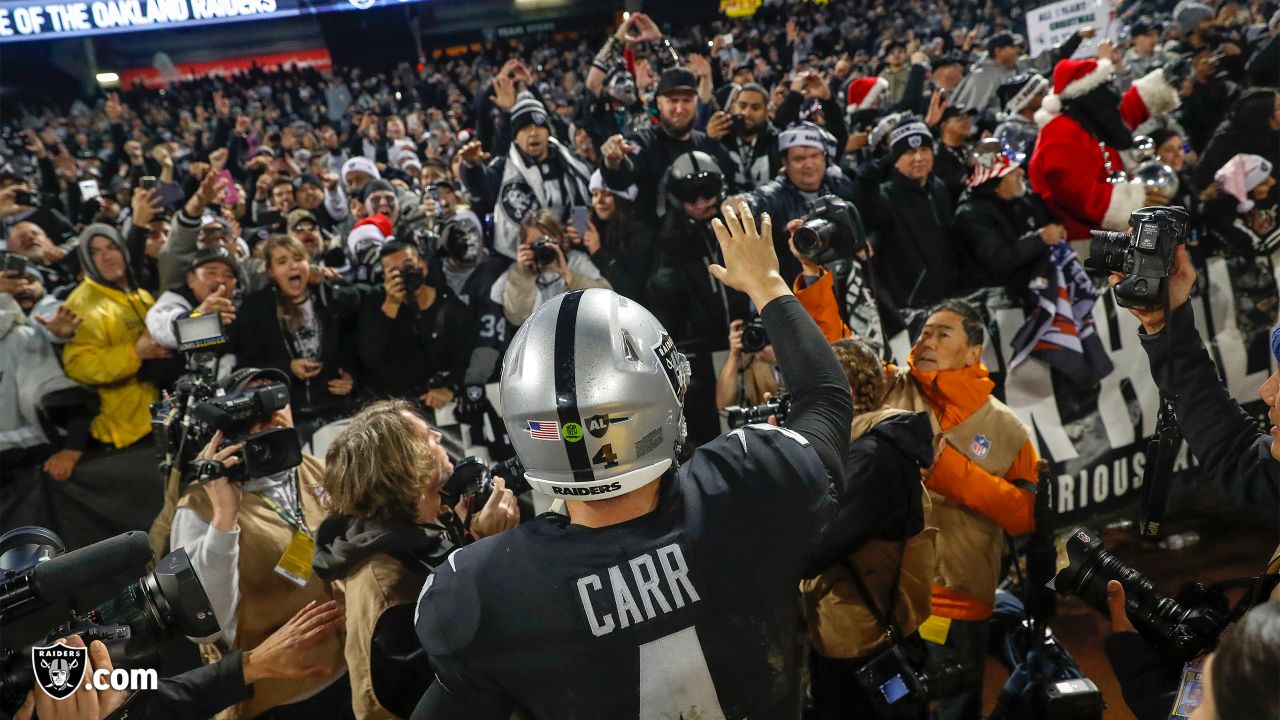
(750, 263)
(63, 324)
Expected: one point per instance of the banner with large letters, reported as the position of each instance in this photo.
(1095, 438)
(43, 20)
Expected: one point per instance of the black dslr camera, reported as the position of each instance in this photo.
(1145, 256)
(832, 230)
(544, 251)
(472, 480)
(167, 602)
(754, 337)
(778, 407)
(1186, 627)
(897, 688)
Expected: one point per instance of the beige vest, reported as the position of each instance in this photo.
(268, 600)
(841, 625)
(381, 583)
(969, 545)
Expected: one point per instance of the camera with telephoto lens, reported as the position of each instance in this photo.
(1145, 256)
(897, 689)
(544, 251)
(777, 407)
(167, 602)
(754, 337)
(472, 478)
(1186, 627)
(832, 230)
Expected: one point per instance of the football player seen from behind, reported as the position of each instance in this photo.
(667, 591)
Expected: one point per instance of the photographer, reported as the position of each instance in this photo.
(1233, 456)
(545, 266)
(709, 634)
(981, 484)
(806, 150)
(382, 540)
(199, 693)
(412, 332)
(880, 532)
(251, 545)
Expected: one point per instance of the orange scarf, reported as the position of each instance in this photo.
(953, 394)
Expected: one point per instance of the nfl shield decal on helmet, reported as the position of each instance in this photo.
(59, 668)
(980, 446)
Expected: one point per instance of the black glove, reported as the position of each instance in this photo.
(471, 403)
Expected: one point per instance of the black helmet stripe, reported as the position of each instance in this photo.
(567, 386)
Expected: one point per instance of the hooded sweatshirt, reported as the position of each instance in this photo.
(29, 370)
(380, 568)
(102, 353)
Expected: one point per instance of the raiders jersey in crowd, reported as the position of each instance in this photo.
(686, 612)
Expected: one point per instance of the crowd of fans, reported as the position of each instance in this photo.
(381, 235)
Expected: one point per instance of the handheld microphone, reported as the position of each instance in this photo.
(38, 585)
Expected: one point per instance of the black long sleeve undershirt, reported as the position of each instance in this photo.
(821, 404)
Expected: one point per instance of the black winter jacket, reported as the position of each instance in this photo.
(784, 202)
(259, 338)
(647, 168)
(915, 258)
(998, 240)
(399, 356)
(691, 304)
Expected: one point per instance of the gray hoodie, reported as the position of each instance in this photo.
(29, 370)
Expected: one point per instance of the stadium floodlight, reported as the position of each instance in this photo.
(108, 79)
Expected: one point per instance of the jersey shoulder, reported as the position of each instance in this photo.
(759, 455)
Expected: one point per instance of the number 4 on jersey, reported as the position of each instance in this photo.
(675, 681)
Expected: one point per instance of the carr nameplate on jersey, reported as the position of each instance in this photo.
(646, 587)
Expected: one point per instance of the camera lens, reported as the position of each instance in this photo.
(543, 251)
(1107, 250)
(814, 236)
(754, 337)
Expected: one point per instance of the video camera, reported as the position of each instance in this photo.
(1145, 256)
(1187, 627)
(166, 602)
(185, 420)
(777, 407)
(832, 230)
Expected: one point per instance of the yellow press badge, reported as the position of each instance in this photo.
(934, 629)
(295, 563)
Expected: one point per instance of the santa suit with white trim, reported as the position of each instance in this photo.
(1069, 168)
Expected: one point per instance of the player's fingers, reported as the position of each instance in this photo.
(718, 272)
(731, 220)
(722, 232)
(766, 226)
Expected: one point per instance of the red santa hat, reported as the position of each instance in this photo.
(1073, 79)
(373, 230)
(864, 92)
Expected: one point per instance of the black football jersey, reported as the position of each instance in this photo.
(687, 612)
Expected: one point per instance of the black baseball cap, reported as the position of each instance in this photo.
(676, 79)
(214, 254)
(240, 379)
(951, 111)
(954, 57)
(1005, 39)
(1144, 26)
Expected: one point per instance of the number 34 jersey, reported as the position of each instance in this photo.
(687, 612)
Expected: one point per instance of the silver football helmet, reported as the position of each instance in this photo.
(593, 396)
